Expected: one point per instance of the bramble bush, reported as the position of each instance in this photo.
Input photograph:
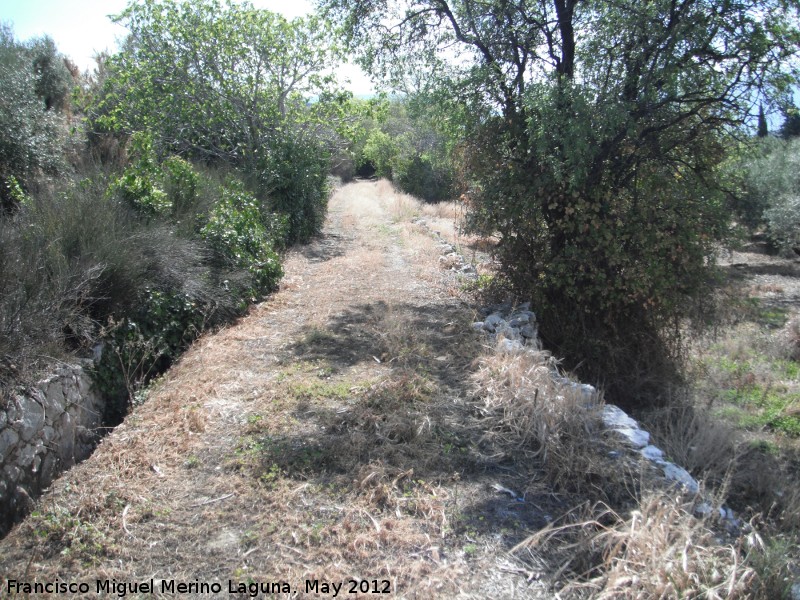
(140, 184)
(144, 344)
(239, 231)
(293, 180)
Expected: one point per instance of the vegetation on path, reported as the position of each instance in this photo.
(354, 426)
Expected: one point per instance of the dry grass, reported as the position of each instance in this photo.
(325, 436)
(659, 551)
(355, 426)
(443, 210)
(536, 417)
(627, 539)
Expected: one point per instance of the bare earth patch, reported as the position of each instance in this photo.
(329, 436)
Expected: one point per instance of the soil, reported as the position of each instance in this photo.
(329, 436)
(775, 280)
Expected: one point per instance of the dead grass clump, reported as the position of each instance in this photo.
(442, 210)
(789, 339)
(693, 438)
(528, 413)
(403, 207)
(659, 551)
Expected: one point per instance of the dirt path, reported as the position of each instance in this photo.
(329, 436)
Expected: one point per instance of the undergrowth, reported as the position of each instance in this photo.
(132, 267)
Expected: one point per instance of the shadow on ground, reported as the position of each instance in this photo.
(325, 247)
(412, 434)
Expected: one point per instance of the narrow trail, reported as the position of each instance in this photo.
(326, 437)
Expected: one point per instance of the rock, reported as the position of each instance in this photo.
(23, 499)
(681, 476)
(638, 438)
(618, 420)
(27, 455)
(653, 453)
(794, 594)
(509, 333)
(491, 322)
(50, 468)
(528, 331)
(8, 441)
(519, 320)
(53, 409)
(97, 352)
(704, 509)
(31, 418)
(11, 411)
(614, 416)
(478, 325)
(509, 346)
(53, 389)
(44, 431)
(11, 473)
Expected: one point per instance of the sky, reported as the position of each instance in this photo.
(81, 28)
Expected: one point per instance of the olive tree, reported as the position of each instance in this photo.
(596, 131)
(32, 131)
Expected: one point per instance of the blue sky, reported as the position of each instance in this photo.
(81, 28)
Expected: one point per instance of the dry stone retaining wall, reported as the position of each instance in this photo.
(48, 429)
(514, 328)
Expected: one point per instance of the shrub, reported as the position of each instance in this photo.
(181, 183)
(31, 138)
(78, 266)
(406, 148)
(379, 152)
(238, 231)
(422, 176)
(140, 184)
(144, 344)
(783, 218)
(612, 263)
(294, 178)
(53, 79)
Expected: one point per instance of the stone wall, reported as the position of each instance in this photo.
(48, 429)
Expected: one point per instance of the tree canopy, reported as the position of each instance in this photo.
(35, 84)
(215, 78)
(596, 131)
(226, 83)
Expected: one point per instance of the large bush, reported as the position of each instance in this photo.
(229, 86)
(72, 259)
(612, 263)
(293, 178)
(238, 230)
